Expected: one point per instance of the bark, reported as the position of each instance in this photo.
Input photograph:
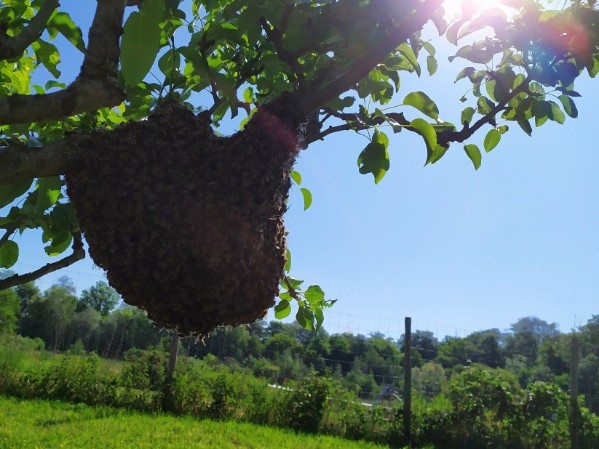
(17, 162)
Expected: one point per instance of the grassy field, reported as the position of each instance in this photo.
(48, 425)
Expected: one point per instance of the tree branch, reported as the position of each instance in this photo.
(13, 47)
(311, 97)
(446, 137)
(18, 279)
(18, 162)
(95, 87)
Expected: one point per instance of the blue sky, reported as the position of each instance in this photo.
(456, 249)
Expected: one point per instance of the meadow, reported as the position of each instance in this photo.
(33, 424)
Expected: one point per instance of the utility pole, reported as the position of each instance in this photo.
(407, 388)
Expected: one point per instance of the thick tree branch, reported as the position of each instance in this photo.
(13, 47)
(18, 279)
(311, 98)
(18, 162)
(95, 87)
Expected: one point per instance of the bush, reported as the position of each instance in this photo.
(305, 404)
(74, 379)
(146, 370)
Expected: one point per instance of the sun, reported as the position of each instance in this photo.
(466, 9)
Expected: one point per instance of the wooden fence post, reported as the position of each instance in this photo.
(407, 389)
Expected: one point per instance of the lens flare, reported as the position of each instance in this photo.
(465, 9)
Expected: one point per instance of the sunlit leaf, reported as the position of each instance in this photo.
(427, 132)
(491, 139)
(474, 154)
(467, 115)
(423, 103)
(282, 310)
(307, 195)
(296, 177)
(62, 23)
(48, 192)
(47, 54)
(314, 294)
(375, 157)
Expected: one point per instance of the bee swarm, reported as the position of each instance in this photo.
(188, 225)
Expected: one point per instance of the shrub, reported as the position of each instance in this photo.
(304, 406)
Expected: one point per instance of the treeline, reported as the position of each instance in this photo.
(533, 350)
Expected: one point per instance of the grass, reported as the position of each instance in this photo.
(48, 425)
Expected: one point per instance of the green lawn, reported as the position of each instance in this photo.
(48, 425)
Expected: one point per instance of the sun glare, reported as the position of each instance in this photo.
(465, 9)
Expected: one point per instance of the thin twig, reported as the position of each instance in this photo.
(18, 279)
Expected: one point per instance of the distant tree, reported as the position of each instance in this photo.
(67, 283)
(527, 335)
(126, 328)
(101, 297)
(48, 315)
(25, 292)
(426, 344)
(84, 327)
(10, 309)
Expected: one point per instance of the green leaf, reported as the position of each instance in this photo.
(307, 197)
(319, 315)
(557, 114)
(431, 65)
(428, 133)
(491, 139)
(569, 106)
(47, 54)
(62, 217)
(423, 103)
(406, 50)
(282, 309)
(10, 192)
(305, 318)
(48, 192)
(9, 254)
(296, 177)
(375, 157)
(60, 242)
(524, 124)
(484, 105)
(62, 23)
(474, 154)
(467, 115)
(141, 41)
(287, 261)
(169, 63)
(314, 294)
